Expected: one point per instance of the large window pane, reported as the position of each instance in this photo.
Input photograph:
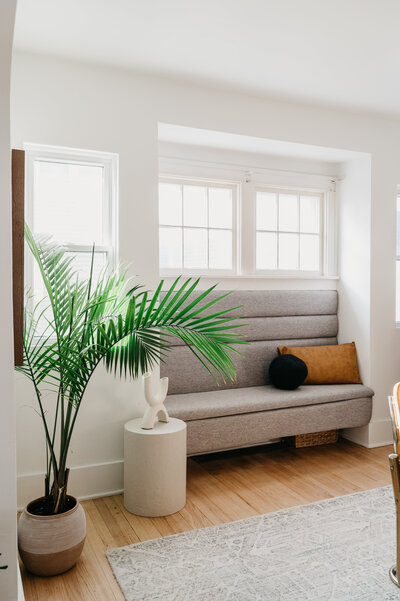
(68, 201)
(170, 247)
(195, 206)
(309, 214)
(82, 263)
(288, 251)
(266, 251)
(170, 204)
(195, 248)
(309, 252)
(288, 213)
(266, 211)
(220, 207)
(40, 296)
(220, 245)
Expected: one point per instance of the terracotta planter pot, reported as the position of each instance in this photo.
(51, 544)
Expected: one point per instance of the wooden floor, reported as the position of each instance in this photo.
(221, 488)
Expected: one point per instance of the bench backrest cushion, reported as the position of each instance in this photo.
(271, 318)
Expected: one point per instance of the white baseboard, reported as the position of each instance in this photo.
(380, 444)
(85, 482)
(105, 479)
(21, 596)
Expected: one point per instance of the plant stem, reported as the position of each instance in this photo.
(38, 396)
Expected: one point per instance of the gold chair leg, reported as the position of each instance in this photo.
(394, 571)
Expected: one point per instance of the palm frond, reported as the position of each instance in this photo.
(83, 323)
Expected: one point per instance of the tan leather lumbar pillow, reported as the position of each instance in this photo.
(333, 364)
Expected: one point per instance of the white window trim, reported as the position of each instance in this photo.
(215, 183)
(247, 179)
(109, 162)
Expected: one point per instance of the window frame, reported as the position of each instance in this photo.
(109, 163)
(209, 183)
(298, 191)
(247, 178)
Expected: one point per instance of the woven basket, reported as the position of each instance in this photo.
(316, 438)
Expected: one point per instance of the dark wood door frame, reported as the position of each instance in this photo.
(18, 211)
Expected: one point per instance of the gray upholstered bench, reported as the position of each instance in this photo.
(250, 411)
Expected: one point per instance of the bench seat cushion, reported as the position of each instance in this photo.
(203, 405)
(249, 429)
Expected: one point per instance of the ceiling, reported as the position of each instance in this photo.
(343, 53)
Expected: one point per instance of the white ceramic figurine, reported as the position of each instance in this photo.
(155, 401)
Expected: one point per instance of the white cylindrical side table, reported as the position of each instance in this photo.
(155, 467)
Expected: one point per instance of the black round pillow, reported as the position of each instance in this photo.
(287, 372)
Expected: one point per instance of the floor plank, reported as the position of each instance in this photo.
(221, 488)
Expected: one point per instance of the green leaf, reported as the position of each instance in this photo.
(83, 323)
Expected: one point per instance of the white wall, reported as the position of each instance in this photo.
(384, 358)
(8, 578)
(68, 104)
(354, 286)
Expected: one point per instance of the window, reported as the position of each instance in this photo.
(288, 230)
(247, 225)
(197, 226)
(72, 197)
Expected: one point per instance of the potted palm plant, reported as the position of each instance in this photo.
(81, 324)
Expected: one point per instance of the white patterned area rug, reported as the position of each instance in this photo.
(340, 549)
